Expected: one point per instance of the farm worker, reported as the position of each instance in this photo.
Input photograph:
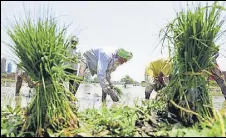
(217, 75)
(103, 62)
(71, 68)
(156, 75)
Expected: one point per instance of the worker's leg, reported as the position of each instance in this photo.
(104, 96)
(28, 80)
(71, 88)
(19, 80)
(217, 76)
(71, 82)
(20, 77)
(149, 86)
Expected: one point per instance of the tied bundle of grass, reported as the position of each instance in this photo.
(118, 91)
(193, 35)
(40, 46)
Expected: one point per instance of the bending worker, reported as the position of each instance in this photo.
(160, 69)
(103, 62)
(156, 75)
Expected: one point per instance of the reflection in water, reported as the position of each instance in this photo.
(8, 97)
(89, 96)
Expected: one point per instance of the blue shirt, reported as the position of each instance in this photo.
(102, 62)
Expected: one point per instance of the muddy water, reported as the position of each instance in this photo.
(88, 95)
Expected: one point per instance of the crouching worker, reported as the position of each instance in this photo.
(103, 62)
(157, 75)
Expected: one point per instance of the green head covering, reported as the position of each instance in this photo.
(124, 54)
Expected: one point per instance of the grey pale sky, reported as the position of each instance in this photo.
(132, 25)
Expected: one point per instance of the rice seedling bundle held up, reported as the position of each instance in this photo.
(193, 35)
(40, 46)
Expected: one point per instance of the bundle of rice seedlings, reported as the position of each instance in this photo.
(118, 91)
(40, 46)
(193, 35)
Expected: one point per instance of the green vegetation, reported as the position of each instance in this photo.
(12, 121)
(40, 46)
(147, 119)
(150, 118)
(192, 35)
(127, 80)
(114, 122)
(183, 108)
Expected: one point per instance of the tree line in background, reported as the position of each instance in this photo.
(124, 80)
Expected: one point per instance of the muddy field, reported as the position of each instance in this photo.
(88, 95)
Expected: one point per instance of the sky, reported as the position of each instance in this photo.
(132, 25)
